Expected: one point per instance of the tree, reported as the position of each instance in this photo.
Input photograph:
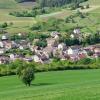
(85, 61)
(87, 6)
(26, 74)
(58, 3)
(4, 25)
(41, 43)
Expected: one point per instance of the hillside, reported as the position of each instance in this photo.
(22, 24)
(7, 6)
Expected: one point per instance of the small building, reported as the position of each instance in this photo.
(36, 58)
(61, 46)
(4, 37)
(73, 50)
(1, 44)
(76, 31)
(55, 33)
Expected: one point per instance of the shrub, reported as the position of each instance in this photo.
(85, 61)
(27, 75)
(87, 6)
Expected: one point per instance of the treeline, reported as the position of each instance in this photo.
(13, 67)
(58, 3)
(53, 3)
(33, 13)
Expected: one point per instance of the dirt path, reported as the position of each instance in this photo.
(90, 9)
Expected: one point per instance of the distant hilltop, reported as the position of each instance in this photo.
(24, 1)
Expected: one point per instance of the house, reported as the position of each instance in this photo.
(72, 36)
(19, 56)
(74, 57)
(14, 45)
(73, 50)
(23, 44)
(82, 51)
(28, 59)
(1, 44)
(55, 33)
(56, 37)
(7, 44)
(4, 37)
(4, 60)
(21, 47)
(49, 50)
(12, 57)
(97, 50)
(82, 56)
(61, 46)
(36, 58)
(2, 51)
(44, 58)
(76, 31)
(51, 42)
(97, 55)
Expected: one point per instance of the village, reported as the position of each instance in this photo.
(53, 49)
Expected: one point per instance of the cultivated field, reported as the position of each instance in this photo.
(20, 24)
(64, 85)
(23, 24)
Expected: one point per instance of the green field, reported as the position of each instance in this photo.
(61, 85)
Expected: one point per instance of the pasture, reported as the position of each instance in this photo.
(22, 24)
(59, 85)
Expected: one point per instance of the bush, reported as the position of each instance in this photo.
(27, 75)
(85, 61)
(4, 25)
(23, 68)
(41, 43)
(87, 6)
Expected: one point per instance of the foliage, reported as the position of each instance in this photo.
(20, 66)
(26, 75)
(52, 24)
(41, 43)
(57, 3)
(33, 12)
(80, 14)
(4, 25)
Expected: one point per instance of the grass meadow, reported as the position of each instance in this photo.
(59, 85)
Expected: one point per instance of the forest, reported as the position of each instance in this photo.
(53, 3)
(57, 3)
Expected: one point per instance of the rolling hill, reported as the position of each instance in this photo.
(22, 24)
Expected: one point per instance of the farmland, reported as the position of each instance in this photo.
(22, 24)
(60, 85)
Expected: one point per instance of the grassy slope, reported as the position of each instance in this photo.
(94, 2)
(90, 24)
(64, 85)
(23, 24)
(93, 23)
(20, 24)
